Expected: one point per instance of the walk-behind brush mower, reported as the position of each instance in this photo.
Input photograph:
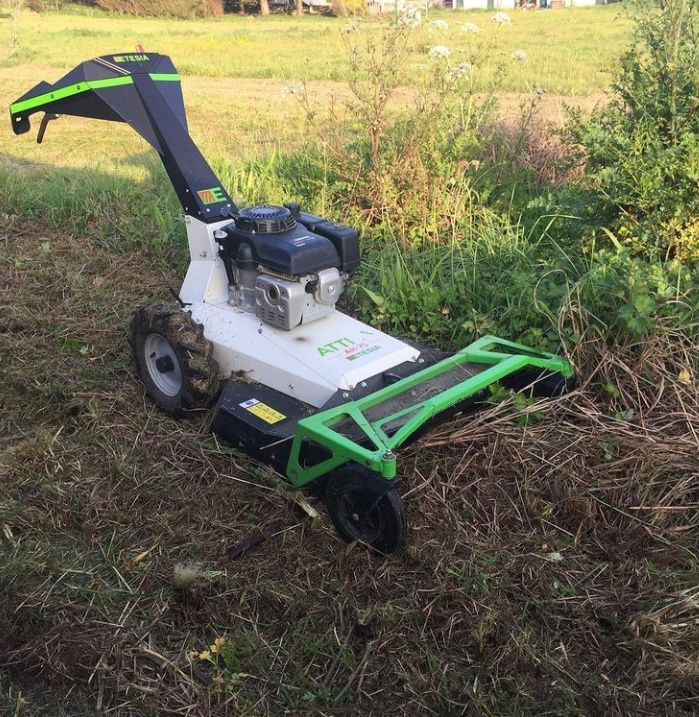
(298, 385)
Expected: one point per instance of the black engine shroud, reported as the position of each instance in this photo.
(289, 241)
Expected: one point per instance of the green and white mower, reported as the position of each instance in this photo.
(297, 384)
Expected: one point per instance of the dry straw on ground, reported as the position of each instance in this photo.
(551, 568)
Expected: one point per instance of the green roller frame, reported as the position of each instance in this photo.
(499, 358)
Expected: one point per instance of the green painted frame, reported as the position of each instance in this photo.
(382, 459)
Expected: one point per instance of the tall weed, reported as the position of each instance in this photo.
(524, 285)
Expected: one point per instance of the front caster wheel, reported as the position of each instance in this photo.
(173, 359)
(362, 507)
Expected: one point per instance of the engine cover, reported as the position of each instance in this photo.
(279, 243)
(289, 242)
(286, 304)
(280, 269)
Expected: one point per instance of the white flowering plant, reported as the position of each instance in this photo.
(502, 18)
(411, 18)
(414, 108)
(440, 51)
(470, 28)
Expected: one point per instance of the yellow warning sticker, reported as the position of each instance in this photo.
(263, 411)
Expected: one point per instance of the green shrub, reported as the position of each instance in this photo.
(642, 150)
(172, 8)
(501, 279)
(342, 8)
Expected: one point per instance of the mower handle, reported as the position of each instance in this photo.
(143, 90)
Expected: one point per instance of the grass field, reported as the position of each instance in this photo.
(550, 569)
(569, 54)
(552, 561)
(236, 64)
(234, 96)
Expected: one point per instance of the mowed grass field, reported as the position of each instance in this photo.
(569, 52)
(234, 68)
(541, 576)
(146, 569)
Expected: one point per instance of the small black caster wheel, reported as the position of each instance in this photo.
(363, 507)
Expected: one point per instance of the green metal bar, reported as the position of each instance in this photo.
(319, 428)
(164, 76)
(85, 86)
(342, 449)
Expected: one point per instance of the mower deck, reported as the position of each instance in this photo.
(306, 443)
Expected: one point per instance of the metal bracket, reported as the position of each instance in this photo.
(48, 116)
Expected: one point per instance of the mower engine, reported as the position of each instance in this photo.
(286, 266)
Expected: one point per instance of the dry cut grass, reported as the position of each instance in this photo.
(551, 567)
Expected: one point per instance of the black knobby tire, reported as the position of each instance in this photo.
(363, 508)
(196, 368)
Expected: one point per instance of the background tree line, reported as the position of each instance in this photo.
(177, 8)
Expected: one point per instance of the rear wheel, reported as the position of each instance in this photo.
(173, 358)
(363, 508)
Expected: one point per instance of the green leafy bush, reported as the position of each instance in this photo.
(501, 279)
(172, 8)
(342, 8)
(642, 150)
